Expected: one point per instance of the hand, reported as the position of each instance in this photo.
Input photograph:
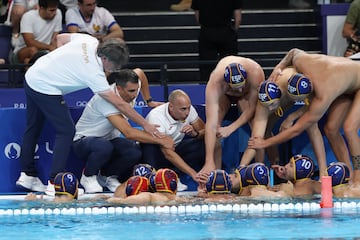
(187, 129)
(256, 143)
(280, 171)
(152, 129)
(275, 73)
(207, 168)
(223, 132)
(202, 177)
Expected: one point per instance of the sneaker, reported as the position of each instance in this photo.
(110, 182)
(30, 183)
(90, 184)
(181, 187)
(50, 189)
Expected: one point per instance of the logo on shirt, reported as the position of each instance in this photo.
(84, 51)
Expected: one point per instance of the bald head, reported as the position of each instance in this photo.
(179, 104)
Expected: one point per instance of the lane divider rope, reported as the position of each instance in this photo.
(200, 208)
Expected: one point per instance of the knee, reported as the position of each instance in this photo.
(330, 131)
(350, 129)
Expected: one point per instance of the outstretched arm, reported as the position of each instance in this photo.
(126, 109)
(303, 123)
(285, 62)
(129, 132)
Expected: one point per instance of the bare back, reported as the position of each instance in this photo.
(331, 76)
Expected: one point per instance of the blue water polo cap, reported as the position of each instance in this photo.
(218, 182)
(66, 183)
(339, 173)
(299, 85)
(303, 166)
(257, 174)
(241, 171)
(235, 75)
(143, 169)
(269, 92)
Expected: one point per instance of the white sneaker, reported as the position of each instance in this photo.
(110, 182)
(90, 184)
(30, 183)
(50, 189)
(181, 187)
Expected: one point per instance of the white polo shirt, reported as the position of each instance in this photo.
(69, 68)
(93, 121)
(168, 125)
(100, 23)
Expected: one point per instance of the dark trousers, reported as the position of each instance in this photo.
(113, 157)
(214, 44)
(191, 150)
(54, 109)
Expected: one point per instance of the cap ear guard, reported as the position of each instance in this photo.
(166, 180)
(152, 185)
(66, 183)
(218, 182)
(299, 85)
(241, 170)
(257, 174)
(303, 166)
(235, 75)
(268, 92)
(339, 173)
(136, 184)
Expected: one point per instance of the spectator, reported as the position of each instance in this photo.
(350, 29)
(16, 11)
(94, 20)
(108, 157)
(79, 62)
(39, 28)
(179, 120)
(218, 31)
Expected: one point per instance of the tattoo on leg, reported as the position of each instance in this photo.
(356, 162)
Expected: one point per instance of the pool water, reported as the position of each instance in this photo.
(333, 223)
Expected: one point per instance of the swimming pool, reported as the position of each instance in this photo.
(259, 220)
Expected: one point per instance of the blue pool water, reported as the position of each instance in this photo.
(336, 223)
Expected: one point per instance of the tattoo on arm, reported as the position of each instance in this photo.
(356, 162)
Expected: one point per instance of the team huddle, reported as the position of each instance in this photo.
(175, 139)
